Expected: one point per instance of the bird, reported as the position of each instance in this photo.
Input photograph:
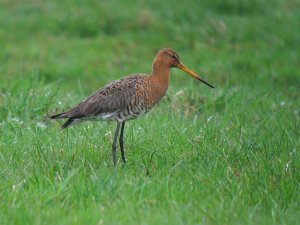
(128, 98)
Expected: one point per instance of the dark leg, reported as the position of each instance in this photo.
(114, 146)
(122, 142)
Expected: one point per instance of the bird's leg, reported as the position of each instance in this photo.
(114, 146)
(122, 142)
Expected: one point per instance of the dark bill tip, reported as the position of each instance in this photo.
(203, 81)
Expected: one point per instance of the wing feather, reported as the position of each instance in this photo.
(113, 97)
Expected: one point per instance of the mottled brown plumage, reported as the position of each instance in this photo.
(128, 97)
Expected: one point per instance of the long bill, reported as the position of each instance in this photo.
(193, 74)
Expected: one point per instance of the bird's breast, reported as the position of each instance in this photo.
(146, 94)
(152, 93)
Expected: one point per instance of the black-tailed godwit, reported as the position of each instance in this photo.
(128, 98)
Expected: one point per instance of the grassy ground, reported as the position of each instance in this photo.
(224, 156)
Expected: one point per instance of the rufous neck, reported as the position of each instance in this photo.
(161, 73)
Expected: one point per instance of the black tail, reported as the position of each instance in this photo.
(59, 116)
(63, 116)
(67, 124)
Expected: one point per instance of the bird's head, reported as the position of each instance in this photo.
(169, 58)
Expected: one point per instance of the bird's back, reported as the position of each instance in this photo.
(121, 100)
(107, 103)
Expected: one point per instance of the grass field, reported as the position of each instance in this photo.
(228, 155)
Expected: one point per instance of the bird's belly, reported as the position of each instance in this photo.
(120, 115)
(131, 113)
(107, 116)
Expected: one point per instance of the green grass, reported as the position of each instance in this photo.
(228, 155)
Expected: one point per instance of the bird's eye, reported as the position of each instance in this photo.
(173, 56)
